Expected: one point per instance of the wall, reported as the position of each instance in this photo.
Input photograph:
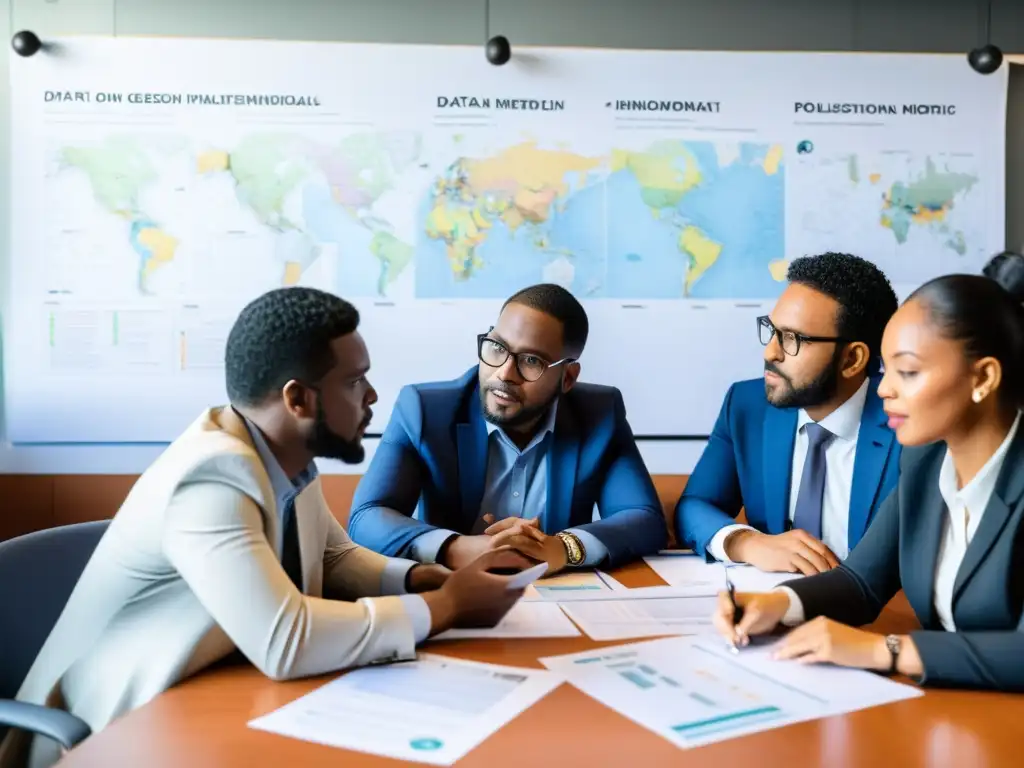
(30, 492)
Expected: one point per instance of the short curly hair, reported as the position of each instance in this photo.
(865, 297)
(284, 334)
(555, 301)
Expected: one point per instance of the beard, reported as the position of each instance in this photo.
(821, 389)
(326, 444)
(523, 416)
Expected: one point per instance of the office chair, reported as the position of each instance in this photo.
(38, 571)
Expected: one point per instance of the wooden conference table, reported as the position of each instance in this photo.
(202, 724)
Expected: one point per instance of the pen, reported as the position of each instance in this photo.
(737, 611)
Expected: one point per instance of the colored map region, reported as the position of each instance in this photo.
(916, 215)
(317, 194)
(926, 200)
(526, 213)
(119, 170)
(696, 219)
(281, 200)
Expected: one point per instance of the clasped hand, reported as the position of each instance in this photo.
(524, 536)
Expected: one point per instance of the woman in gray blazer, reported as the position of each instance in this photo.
(951, 534)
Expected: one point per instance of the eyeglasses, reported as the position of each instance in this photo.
(790, 341)
(531, 367)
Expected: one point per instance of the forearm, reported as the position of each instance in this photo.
(838, 595)
(627, 535)
(386, 530)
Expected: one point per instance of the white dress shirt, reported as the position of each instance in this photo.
(964, 509)
(840, 456)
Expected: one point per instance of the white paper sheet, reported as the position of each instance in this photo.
(685, 570)
(525, 619)
(432, 710)
(693, 691)
(628, 618)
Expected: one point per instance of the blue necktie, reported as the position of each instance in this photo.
(291, 556)
(811, 495)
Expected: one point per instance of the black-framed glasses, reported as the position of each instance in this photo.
(790, 341)
(530, 366)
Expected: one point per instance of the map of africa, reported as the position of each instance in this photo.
(914, 214)
(280, 196)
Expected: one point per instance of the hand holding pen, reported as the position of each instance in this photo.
(742, 615)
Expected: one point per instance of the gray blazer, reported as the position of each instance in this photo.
(185, 574)
(900, 550)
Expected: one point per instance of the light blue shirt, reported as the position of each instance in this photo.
(286, 490)
(516, 485)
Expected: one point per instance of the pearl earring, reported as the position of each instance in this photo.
(977, 396)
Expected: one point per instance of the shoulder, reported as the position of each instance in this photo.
(205, 457)
(594, 400)
(429, 395)
(919, 462)
(746, 396)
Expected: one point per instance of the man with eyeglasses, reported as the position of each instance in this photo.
(514, 452)
(806, 451)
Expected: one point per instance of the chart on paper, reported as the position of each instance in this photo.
(693, 691)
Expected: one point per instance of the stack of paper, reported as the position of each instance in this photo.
(693, 691)
(628, 617)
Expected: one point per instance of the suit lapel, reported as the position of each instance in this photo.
(306, 511)
(874, 444)
(777, 447)
(924, 511)
(1008, 491)
(562, 461)
(471, 444)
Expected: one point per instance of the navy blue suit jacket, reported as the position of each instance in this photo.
(747, 464)
(433, 458)
(901, 549)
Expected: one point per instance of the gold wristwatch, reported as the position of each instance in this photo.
(574, 549)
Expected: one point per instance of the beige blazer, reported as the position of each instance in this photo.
(186, 574)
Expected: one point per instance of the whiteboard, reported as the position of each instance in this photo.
(163, 183)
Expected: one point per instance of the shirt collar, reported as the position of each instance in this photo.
(282, 486)
(844, 421)
(976, 494)
(546, 426)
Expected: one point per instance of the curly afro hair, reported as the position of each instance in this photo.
(865, 297)
(285, 334)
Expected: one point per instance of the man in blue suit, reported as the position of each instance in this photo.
(806, 451)
(514, 452)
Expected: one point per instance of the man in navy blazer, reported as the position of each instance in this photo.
(805, 451)
(513, 452)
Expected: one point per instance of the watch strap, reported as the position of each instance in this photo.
(893, 644)
(576, 553)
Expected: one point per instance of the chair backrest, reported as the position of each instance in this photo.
(38, 572)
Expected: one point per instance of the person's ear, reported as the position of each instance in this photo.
(299, 400)
(855, 359)
(569, 376)
(987, 375)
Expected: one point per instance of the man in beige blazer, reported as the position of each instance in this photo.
(226, 542)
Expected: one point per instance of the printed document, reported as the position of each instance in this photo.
(525, 619)
(650, 617)
(432, 710)
(694, 691)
